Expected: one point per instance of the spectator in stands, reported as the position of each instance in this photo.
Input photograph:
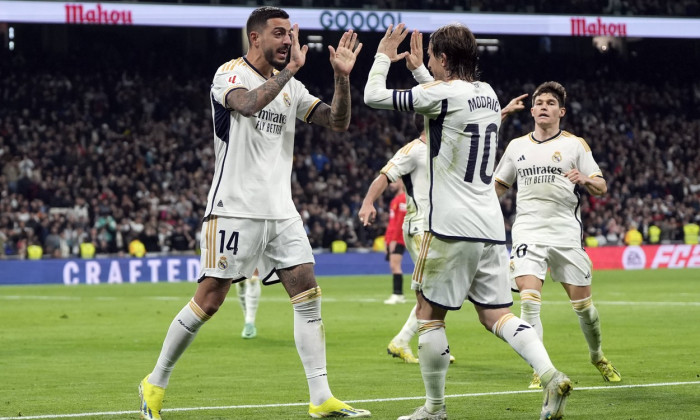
(4, 243)
(132, 146)
(690, 232)
(654, 235)
(633, 237)
(34, 250)
(181, 239)
(149, 238)
(590, 240)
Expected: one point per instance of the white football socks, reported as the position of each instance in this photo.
(249, 298)
(590, 325)
(434, 357)
(530, 304)
(241, 290)
(310, 340)
(410, 328)
(182, 331)
(524, 340)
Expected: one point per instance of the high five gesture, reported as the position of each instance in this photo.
(343, 58)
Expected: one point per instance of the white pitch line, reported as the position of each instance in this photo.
(38, 297)
(376, 400)
(332, 299)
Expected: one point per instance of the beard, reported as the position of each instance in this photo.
(278, 65)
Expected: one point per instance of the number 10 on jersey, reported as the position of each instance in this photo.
(474, 130)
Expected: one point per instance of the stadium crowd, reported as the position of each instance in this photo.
(106, 155)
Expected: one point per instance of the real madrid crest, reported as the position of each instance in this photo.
(223, 264)
(556, 157)
(512, 266)
(287, 99)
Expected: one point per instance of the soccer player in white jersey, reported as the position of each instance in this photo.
(550, 165)
(463, 254)
(250, 220)
(408, 164)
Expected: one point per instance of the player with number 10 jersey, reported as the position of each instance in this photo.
(462, 203)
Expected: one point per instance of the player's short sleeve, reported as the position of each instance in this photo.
(306, 102)
(402, 163)
(506, 173)
(586, 164)
(226, 79)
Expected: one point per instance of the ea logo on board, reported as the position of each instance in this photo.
(633, 258)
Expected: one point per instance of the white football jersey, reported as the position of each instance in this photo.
(547, 203)
(462, 121)
(409, 165)
(252, 176)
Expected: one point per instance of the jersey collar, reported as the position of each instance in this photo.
(256, 70)
(532, 137)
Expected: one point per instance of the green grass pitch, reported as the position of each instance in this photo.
(80, 351)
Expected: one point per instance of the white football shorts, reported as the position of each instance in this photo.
(413, 244)
(567, 265)
(448, 272)
(232, 248)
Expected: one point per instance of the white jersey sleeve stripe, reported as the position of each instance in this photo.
(386, 169)
(224, 102)
(502, 182)
(311, 110)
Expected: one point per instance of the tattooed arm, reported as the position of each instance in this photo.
(248, 102)
(337, 115)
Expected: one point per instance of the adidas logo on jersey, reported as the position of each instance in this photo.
(220, 204)
(521, 158)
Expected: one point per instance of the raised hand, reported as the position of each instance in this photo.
(343, 58)
(414, 59)
(297, 54)
(391, 40)
(515, 105)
